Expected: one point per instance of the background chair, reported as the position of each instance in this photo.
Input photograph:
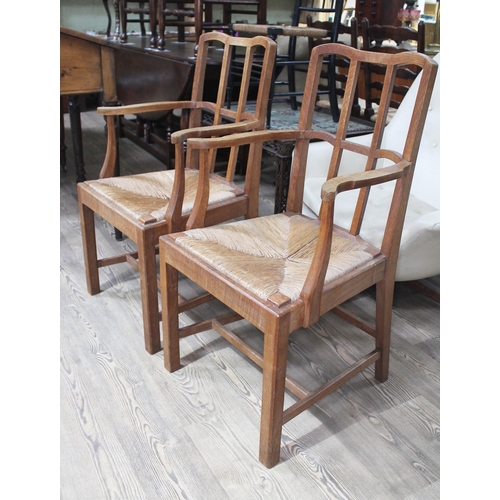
(293, 53)
(202, 12)
(179, 14)
(419, 254)
(145, 206)
(328, 10)
(393, 40)
(335, 73)
(282, 272)
(145, 16)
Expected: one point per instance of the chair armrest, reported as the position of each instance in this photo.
(256, 136)
(362, 179)
(313, 285)
(135, 109)
(212, 130)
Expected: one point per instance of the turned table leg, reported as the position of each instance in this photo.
(76, 136)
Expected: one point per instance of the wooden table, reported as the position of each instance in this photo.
(125, 73)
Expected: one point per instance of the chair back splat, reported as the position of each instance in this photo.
(146, 205)
(283, 272)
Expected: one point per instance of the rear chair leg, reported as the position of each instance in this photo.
(385, 296)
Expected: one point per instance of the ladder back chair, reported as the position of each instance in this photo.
(203, 16)
(335, 73)
(179, 14)
(282, 272)
(146, 15)
(391, 40)
(147, 205)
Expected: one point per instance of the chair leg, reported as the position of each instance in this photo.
(141, 20)
(170, 312)
(123, 16)
(273, 392)
(385, 297)
(153, 22)
(89, 249)
(149, 291)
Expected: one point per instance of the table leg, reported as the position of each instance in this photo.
(64, 168)
(116, 6)
(76, 136)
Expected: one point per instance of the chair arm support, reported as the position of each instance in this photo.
(362, 179)
(212, 130)
(313, 285)
(135, 109)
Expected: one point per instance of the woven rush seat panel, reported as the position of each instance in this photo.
(271, 254)
(145, 197)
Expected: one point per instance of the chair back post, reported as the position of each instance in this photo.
(394, 231)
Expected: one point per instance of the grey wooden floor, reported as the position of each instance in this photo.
(131, 430)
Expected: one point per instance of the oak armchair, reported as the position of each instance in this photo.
(147, 205)
(282, 272)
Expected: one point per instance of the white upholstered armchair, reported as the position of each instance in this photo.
(419, 252)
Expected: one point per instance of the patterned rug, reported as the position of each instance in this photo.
(284, 118)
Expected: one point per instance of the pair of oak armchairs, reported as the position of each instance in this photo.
(279, 272)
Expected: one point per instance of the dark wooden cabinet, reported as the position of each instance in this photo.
(384, 12)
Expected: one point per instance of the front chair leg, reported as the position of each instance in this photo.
(384, 296)
(87, 222)
(273, 393)
(149, 291)
(170, 312)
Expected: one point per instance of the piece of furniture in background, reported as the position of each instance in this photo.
(393, 40)
(334, 77)
(139, 12)
(124, 73)
(85, 67)
(293, 55)
(282, 61)
(256, 9)
(179, 14)
(282, 272)
(116, 11)
(419, 255)
(383, 12)
(203, 16)
(145, 206)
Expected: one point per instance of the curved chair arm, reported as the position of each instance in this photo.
(147, 107)
(253, 137)
(313, 286)
(110, 112)
(257, 136)
(337, 185)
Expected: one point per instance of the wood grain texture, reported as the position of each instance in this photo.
(131, 430)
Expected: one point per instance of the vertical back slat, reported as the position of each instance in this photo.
(371, 162)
